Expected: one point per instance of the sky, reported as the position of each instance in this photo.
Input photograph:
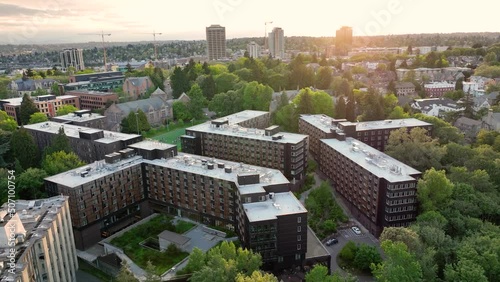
(68, 21)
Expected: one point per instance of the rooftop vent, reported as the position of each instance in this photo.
(210, 166)
(228, 169)
(220, 165)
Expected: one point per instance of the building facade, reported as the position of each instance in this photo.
(374, 133)
(84, 118)
(216, 42)
(94, 100)
(405, 88)
(101, 81)
(277, 43)
(343, 40)
(230, 141)
(135, 87)
(40, 233)
(379, 190)
(438, 89)
(253, 50)
(253, 201)
(46, 104)
(29, 86)
(72, 58)
(89, 144)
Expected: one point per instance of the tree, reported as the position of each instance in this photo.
(30, 184)
(414, 148)
(24, 148)
(399, 265)
(398, 113)
(313, 102)
(319, 273)
(459, 85)
(441, 129)
(179, 82)
(61, 161)
(27, 108)
(7, 123)
(401, 234)
(465, 270)
(6, 157)
(287, 117)
(227, 103)
(133, 120)
(197, 102)
(490, 58)
(197, 259)
(340, 108)
(66, 109)
(348, 252)
(283, 101)
(257, 96)
(434, 190)
(365, 256)
(257, 276)
(208, 87)
(38, 117)
(125, 275)
(181, 111)
(151, 275)
(324, 78)
(60, 142)
(225, 82)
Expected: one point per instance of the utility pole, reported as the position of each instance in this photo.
(102, 34)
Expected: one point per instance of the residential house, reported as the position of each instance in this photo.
(29, 86)
(485, 101)
(492, 121)
(436, 106)
(137, 86)
(468, 126)
(404, 88)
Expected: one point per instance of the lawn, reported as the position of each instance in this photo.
(171, 135)
(129, 243)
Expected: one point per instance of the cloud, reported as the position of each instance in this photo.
(8, 10)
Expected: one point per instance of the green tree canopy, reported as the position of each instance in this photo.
(197, 103)
(66, 109)
(181, 111)
(60, 142)
(7, 123)
(129, 123)
(257, 96)
(398, 266)
(38, 117)
(60, 162)
(27, 108)
(24, 148)
(225, 82)
(434, 190)
(30, 184)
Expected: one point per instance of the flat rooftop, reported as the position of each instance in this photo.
(250, 133)
(182, 162)
(151, 145)
(74, 131)
(314, 246)
(242, 116)
(281, 204)
(386, 124)
(89, 92)
(372, 160)
(322, 122)
(77, 118)
(17, 101)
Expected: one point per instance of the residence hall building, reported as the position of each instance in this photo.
(378, 190)
(90, 144)
(46, 104)
(94, 100)
(152, 177)
(373, 133)
(268, 147)
(44, 243)
(82, 118)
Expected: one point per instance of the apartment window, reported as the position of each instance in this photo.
(280, 259)
(297, 256)
(299, 228)
(299, 246)
(299, 219)
(299, 237)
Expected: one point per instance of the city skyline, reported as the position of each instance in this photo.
(62, 21)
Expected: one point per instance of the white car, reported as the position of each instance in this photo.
(356, 230)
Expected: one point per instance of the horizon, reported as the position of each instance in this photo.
(64, 21)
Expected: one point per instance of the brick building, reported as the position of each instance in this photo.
(373, 133)
(438, 89)
(379, 190)
(89, 144)
(225, 138)
(94, 100)
(137, 86)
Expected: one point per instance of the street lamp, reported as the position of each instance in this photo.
(137, 122)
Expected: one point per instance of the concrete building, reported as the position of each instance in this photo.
(253, 50)
(379, 190)
(40, 239)
(438, 89)
(83, 118)
(89, 144)
(373, 133)
(46, 104)
(343, 40)
(135, 87)
(277, 43)
(228, 139)
(216, 42)
(72, 58)
(253, 201)
(404, 89)
(94, 100)
(157, 108)
(100, 81)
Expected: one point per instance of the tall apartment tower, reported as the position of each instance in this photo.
(216, 42)
(72, 58)
(277, 43)
(343, 40)
(253, 49)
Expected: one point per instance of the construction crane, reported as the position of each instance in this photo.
(102, 34)
(265, 33)
(154, 41)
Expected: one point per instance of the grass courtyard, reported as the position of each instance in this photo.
(130, 241)
(172, 134)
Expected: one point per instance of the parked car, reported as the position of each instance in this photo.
(332, 241)
(356, 230)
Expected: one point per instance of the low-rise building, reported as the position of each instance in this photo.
(137, 86)
(438, 89)
(436, 107)
(36, 241)
(29, 86)
(404, 88)
(100, 81)
(492, 121)
(46, 104)
(94, 100)
(468, 126)
(83, 118)
(89, 144)
(379, 190)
